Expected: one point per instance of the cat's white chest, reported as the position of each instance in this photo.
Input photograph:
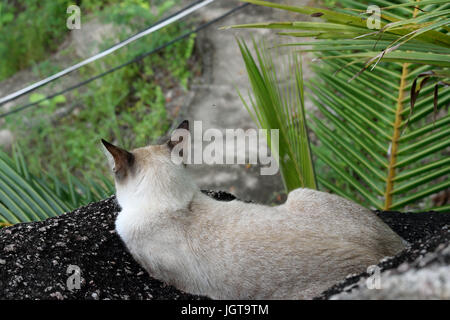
(136, 233)
(150, 242)
(127, 227)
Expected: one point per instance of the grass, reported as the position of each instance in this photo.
(127, 106)
(32, 29)
(29, 31)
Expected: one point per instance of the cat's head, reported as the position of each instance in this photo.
(153, 172)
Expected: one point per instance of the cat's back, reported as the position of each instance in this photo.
(305, 210)
(299, 248)
(332, 210)
(334, 215)
(307, 216)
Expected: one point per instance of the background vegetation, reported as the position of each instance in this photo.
(57, 159)
(382, 136)
(127, 105)
(278, 103)
(381, 139)
(25, 197)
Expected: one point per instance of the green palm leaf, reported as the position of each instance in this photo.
(376, 125)
(275, 107)
(24, 197)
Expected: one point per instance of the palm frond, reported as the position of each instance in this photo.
(378, 93)
(281, 106)
(25, 198)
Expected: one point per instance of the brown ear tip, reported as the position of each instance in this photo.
(184, 125)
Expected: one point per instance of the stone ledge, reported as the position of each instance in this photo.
(34, 257)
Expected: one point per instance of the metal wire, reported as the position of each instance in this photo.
(136, 59)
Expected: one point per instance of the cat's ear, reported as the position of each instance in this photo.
(180, 143)
(120, 160)
(178, 135)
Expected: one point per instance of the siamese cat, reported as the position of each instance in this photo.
(237, 250)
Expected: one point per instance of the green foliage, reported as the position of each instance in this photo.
(127, 105)
(6, 14)
(25, 197)
(35, 30)
(329, 3)
(276, 107)
(377, 144)
(62, 135)
(32, 29)
(51, 104)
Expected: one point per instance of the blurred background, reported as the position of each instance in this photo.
(195, 78)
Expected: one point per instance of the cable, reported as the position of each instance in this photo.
(136, 59)
(160, 24)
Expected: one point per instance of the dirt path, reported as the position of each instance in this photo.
(212, 98)
(216, 102)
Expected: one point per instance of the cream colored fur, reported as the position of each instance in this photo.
(237, 250)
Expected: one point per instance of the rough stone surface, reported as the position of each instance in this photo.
(432, 282)
(35, 257)
(420, 272)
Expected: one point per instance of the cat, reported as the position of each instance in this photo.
(239, 250)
